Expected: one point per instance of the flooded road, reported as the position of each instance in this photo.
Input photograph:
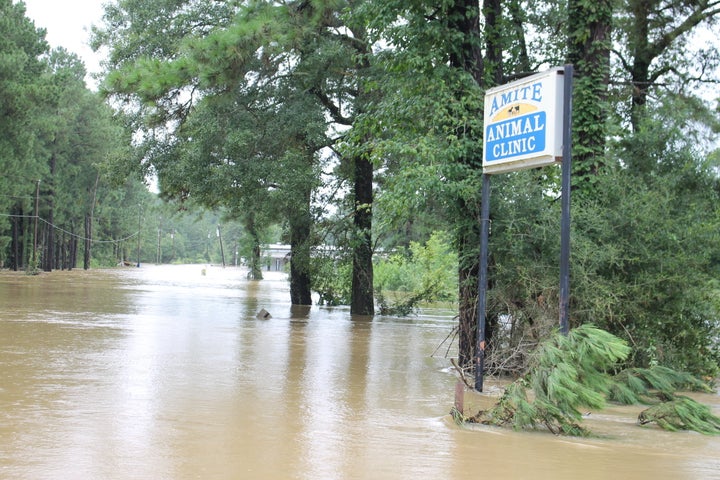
(165, 373)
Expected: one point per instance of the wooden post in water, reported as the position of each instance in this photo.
(460, 397)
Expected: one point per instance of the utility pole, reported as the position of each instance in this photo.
(157, 253)
(138, 234)
(37, 215)
(222, 252)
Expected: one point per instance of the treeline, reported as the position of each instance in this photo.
(69, 196)
(57, 144)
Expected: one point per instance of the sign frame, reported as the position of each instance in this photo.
(523, 123)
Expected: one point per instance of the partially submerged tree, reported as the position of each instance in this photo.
(280, 52)
(569, 374)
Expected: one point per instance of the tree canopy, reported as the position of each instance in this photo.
(377, 106)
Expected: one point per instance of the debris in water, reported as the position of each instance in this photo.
(263, 315)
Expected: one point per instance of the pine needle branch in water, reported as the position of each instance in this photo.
(570, 373)
(682, 413)
(647, 385)
(567, 373)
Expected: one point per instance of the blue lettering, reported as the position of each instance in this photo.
(531, 92)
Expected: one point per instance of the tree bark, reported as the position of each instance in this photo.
(464, 17)
(88, 241)
(650, 38)
(48, 259)
(468, 253)
(255, 267)
(49, 250)
(16, 248)
(362, 301)
(300, 226)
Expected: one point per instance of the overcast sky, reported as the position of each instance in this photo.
(68, 25)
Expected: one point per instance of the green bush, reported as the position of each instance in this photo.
(424, 273)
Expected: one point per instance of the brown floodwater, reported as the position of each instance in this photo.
(166, 373)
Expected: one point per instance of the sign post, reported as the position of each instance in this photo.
(565, 202)
(528, 124)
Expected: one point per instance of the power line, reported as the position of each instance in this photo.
(79, 237)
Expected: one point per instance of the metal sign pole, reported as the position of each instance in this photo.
(521, 131)
(565, 201)
(482, 284)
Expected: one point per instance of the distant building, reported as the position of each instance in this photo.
(276, 256)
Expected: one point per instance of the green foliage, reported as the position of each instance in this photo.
(62, 137)
(571, 372)
(331, 279)
(252, 85)
(646, 385)
(265, 78)
(21, 70)
(643, 260)
(643, 266)
(682, 413)
(425, 273)
(567, 373)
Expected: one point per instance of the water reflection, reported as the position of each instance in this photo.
(166, 373)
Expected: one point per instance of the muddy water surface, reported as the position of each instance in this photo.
(165, 373)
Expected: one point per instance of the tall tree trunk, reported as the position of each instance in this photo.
(464, 17)
(362, 300)
(73, 252)
(517, 25)
(89, 225)
(492, 12)
(255, 266)
(88, 242)
(657, 25)
(468, 253)
(49, 250)
(62, 252)
(48, 259)
(300, 225)
(642, 57)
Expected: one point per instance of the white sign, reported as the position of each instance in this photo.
(523, 123)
